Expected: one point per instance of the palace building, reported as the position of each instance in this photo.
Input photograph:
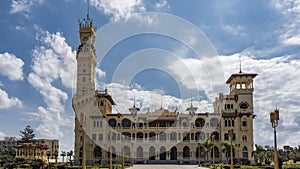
(161, 136)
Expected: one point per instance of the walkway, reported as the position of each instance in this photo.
(154, 166)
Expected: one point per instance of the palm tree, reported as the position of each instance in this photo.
(55, 155)
(48, 154)
(259, 153)
(296, 153)
(63, 154)
(70, 154)
(207, 145)
(226, 149)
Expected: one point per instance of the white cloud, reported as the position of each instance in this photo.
(51, 122)
(234, 30)
(277, 85)
(6, 102)
(290, 9)
(119, 9)
(162, 4)
(2, 134)
(151, 100)
(23, 6)
(11, 66)
(295, 40)
(53, 61)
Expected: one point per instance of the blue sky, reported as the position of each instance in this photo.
(37, 60)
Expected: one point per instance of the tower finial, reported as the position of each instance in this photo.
(240, 64)
(191, 101)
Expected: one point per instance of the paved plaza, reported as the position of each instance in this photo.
(136, 166)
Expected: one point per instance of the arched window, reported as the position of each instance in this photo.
(245, 152)
(162, 136)
(186, 152)
(112, 122)
(217, 152)
(199, 122)
(244, 138)
(126, 151)
(139, 136)
(152, 136)
(216, 134)
(139, 152)
(202, 154)
(163, 153)
(151, 153)
(94, 137)
(100, 137)
(186, 136)
(173, 136)
(126, 136)
(97, 152)
(174, 153)
(113, 152)
(126, 123)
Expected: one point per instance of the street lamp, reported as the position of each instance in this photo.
(213, 150)
(274, 118)
(199, 153)
(230, 133)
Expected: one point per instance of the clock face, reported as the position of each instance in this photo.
(244, 105)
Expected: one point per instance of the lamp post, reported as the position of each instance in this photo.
(213, 150)
(238, 151)
(230, 133)
(199, 153)
(110, 151)
(274, 118)
(123, 157)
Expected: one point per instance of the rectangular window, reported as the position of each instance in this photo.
(226, 136)
(232, 122)
(100, 123)
(225, 123)
(97, 123)
(100, 137)
(94, 124)
(94, 137)
(83, 79)
(244, 123)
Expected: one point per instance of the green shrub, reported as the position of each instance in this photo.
(24, 165)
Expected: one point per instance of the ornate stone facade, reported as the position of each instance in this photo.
(161, 136)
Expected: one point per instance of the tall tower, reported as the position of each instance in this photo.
(237, 111)
(86, 57)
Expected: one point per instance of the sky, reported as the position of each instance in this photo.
(154, 60)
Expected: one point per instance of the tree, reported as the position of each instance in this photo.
(259, 153)
(63, 154)
(207, 145)
(55, 155)
(48, 154)
(70, 154)
(27, 135)
(226, 149)
(37, 163)
(296, 153)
